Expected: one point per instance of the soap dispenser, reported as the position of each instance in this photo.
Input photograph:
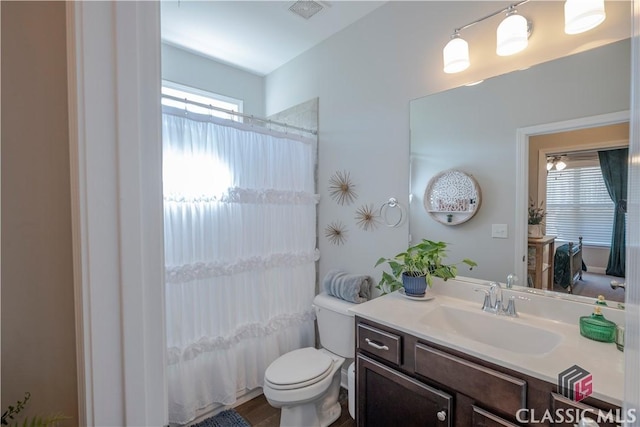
(596, 327)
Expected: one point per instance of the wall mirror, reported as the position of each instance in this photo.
(475, 129)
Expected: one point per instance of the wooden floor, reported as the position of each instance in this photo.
(259, 413)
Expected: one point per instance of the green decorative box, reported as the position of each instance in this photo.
(597, 328)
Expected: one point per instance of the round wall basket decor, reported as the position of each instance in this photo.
(452, 197)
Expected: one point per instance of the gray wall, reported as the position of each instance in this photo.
(180, 66)
(365, 77)
(38, 327)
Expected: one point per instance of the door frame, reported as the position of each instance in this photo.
(113, 55)
(522, 165)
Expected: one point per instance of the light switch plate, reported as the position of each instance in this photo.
(499, 231)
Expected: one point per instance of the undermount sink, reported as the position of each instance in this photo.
(497, 331)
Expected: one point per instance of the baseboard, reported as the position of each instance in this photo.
(596, 270)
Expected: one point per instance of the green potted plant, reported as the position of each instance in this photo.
(536, 219)
(9, 415)
(415, 268)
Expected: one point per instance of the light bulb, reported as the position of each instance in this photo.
(560, 165)
(549, 165)
(512, 35)
(583, 15)
(456, 55)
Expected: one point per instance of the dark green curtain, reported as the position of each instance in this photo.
(614, 165)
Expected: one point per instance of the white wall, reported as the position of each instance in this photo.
(180, 66)
(365, 77)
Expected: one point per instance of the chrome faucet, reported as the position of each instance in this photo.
(493, 301)
(495, 292)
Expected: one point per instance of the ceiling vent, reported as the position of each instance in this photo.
(306, 8)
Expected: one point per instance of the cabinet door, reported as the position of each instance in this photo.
(388, 398)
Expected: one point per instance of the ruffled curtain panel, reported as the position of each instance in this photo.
(240, 236)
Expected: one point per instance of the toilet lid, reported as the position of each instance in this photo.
(299, 366)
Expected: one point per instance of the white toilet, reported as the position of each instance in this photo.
(305, 383)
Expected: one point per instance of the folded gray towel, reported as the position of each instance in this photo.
(349, 287)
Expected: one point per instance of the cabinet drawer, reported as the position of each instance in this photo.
(493, 389)
(572, 411)
(482, 418)
(382, 344)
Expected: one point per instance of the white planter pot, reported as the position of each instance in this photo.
(535, 231)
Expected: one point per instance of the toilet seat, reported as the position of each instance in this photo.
(299, 368)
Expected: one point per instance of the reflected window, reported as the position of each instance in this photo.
(578, 204)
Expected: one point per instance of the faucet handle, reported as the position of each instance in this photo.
(511, 307)
(486, 304)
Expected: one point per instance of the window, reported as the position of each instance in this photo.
(201, 97)
(578, 204)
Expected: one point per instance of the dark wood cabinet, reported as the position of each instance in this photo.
(572, 412)
(494, 389)
(405, 381)
(482, 418)
(394, 399)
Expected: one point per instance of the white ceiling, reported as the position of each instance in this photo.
(257, 36)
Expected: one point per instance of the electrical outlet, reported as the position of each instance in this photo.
(499, 231)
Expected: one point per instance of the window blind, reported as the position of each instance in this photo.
(578, 204)
(202, 97)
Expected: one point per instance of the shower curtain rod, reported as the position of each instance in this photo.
(235, 113)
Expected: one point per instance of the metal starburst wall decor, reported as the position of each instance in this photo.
(367, 218)
(336, 233)
(341, 188)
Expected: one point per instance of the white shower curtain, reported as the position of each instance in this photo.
(240, 236)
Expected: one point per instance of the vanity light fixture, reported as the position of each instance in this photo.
(456, 54)
(583, 15)
(512, 35)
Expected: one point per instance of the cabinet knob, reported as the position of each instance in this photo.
(442, 415)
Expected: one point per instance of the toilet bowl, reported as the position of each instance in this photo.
(305, 383)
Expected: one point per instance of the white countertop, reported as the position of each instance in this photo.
(603, 360)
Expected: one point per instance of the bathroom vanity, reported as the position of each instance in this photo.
(445, 362)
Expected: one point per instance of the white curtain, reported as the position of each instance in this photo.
(240, 236)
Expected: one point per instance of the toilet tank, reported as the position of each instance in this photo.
(335, 324)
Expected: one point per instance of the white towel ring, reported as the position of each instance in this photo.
(392, 203)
